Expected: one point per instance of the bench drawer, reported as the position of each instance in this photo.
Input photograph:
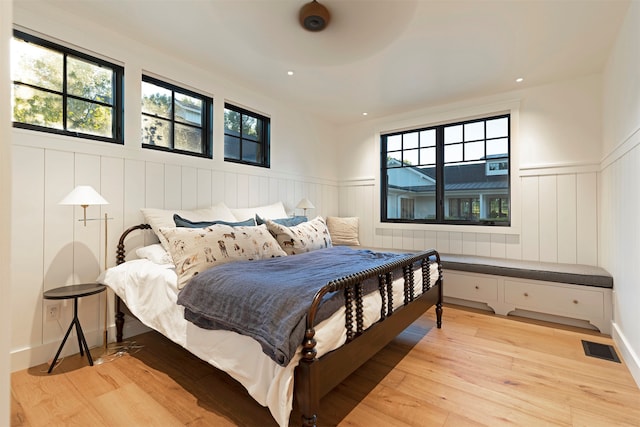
(468, 287)
(559, 300)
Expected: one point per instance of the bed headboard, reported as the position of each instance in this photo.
(120, 252)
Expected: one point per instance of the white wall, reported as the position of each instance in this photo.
(51, 248)
(619, 186)
(556, 134)
(557, 153)
(5, 211)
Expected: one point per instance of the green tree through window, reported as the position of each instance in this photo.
(56, 89)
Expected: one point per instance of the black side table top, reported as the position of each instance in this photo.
(74, 291)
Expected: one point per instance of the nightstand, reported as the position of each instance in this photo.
(75, 292)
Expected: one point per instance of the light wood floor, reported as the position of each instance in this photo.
(479, 369)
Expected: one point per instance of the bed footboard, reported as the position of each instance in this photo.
(315, 377)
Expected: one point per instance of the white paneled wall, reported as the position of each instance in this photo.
(51, 248)
(620, 248)
(619, 186)
(558, 223)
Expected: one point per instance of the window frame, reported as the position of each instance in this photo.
(440, 195)
(117, 125)
(207, 119)
(265, 144)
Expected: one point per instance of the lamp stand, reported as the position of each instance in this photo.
(106, 294)
(105, 335)
(84, 209)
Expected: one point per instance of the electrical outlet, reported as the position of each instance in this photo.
(53, 312)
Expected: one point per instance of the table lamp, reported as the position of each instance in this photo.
(305, 204)
(85, 195)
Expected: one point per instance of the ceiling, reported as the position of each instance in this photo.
(379, 57)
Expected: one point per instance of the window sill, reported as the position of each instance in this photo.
(486, 229)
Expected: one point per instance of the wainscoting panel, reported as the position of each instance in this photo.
(558, 221)
(548, 217)
(587, 218)
(154, 185)
(51, 247)
(27, 245)
(204, 183)
(567, 219)
(530, 229)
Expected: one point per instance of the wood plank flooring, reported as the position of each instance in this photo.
(479, 369)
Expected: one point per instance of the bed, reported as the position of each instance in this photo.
(374, 305)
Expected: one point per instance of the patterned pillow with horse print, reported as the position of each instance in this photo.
(196, 249)
(305, 237)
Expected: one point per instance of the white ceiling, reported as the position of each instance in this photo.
(379, 57)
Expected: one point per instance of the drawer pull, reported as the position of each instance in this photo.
(575, 301)
(526, 294)
(477, 287)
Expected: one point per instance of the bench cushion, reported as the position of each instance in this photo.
(547, 271)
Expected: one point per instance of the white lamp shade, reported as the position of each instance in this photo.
(83, 195)
(305, 204)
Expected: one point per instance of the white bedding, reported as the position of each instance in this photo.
(150, 292)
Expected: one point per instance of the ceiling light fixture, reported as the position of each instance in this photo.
(314, 16)
(290, 73)
(519, 80)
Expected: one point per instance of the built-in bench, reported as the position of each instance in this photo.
(577, 274)
(567, 293)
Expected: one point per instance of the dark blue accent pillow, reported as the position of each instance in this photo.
(183, 222)
(287, 222)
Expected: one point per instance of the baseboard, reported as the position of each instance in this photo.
(631, 359)
(28, 357)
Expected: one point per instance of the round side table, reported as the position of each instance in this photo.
(75, 292)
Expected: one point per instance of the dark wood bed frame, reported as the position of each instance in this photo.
(315, 377)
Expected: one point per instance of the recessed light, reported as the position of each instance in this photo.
(364, 114)
(290, 73)
(519, 80)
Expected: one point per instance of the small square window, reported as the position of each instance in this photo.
(175, 119)
(246, 136)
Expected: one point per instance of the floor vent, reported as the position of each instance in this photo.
(601, 351)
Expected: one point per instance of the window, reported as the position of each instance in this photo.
(175, 119)
(60, 90)
(454, 173)
(246, 137)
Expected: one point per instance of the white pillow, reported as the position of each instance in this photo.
(344, 231)
(159, 218)
(273, 211)
(155, 253)
(195, 249)
(305, 237)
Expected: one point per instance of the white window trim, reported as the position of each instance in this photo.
(447, 115)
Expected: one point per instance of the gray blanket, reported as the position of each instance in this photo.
(268, 299)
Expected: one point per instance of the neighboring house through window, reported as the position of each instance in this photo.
(454, 173)
(246, 136)
(61, 90)
(176, 119)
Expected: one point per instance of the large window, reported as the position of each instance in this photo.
(246, 136)
(175, 119)
(60, 90)
(455, 173)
